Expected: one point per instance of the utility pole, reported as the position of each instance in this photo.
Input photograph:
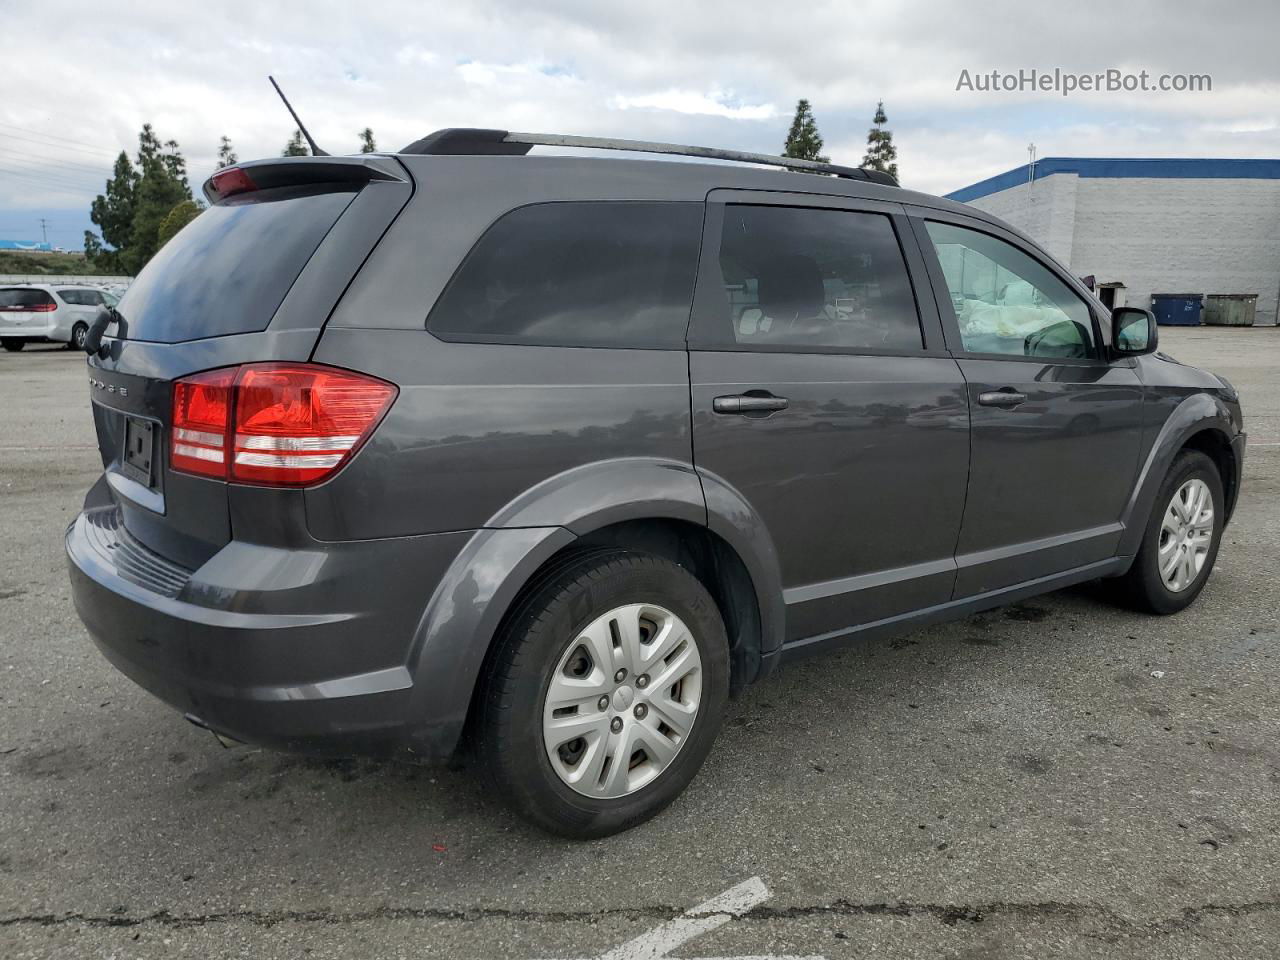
(44, 229)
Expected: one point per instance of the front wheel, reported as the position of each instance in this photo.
(1181, 541)
(12, 344)
(606, 693)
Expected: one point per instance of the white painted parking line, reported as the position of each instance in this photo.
(658, 943)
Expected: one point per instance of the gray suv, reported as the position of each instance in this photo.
(537, 459)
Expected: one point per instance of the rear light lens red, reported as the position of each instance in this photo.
(42, 307)
(274, 424)
(229, 181)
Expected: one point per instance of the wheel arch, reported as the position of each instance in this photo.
(657, 506)
(1200, 422)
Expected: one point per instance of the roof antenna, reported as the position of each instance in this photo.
(315, 150)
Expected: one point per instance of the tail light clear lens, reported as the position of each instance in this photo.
(274, 424)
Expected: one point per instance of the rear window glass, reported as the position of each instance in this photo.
(17, 299)
(229, 269)
(588, 274)
(82, 298)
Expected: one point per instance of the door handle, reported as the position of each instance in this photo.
(1002, 398)
(747, 403)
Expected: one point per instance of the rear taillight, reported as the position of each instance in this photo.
(274, 424)
(33, 308)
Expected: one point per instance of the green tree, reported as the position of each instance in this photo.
(161, 187)
(226, 156)
(112, 212)
(803, 140)
(881, 153)
(367, 144)
(176, 219)
(296, 147)
(137, 198)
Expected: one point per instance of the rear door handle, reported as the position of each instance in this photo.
(1002, 398)
(748, 403)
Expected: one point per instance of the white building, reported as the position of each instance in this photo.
(1150, 226)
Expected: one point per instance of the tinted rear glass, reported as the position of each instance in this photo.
(11, 298)
(229, 269)
(588, 274)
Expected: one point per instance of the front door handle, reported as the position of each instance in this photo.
(1002, 398)
(747, 403)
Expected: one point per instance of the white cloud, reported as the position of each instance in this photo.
(685, 101)
(718, 72)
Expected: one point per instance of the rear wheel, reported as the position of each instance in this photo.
(12, 344)
(1181, 541)
(78, 333)
(606, 693)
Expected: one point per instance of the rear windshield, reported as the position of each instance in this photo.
(229, 269)
(11, 298)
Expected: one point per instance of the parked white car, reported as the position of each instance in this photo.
(47, 313)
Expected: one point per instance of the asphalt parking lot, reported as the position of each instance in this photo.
(1056, 778)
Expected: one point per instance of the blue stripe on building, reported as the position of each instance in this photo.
(1154, 167)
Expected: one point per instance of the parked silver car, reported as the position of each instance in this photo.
(47, 313)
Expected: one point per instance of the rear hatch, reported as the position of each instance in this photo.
(253, 278)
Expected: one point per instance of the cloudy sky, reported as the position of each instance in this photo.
(81, 78)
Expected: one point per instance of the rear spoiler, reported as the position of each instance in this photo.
(300, 171)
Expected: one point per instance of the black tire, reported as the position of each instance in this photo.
(536, 635)
(1142, 588)
(78, 333)
(12, 344)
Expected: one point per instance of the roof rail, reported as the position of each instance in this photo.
(467, 141)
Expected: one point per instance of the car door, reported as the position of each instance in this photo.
(822, 394)
(1056, 422)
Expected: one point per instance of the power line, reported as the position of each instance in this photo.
(64, 185)
(51, 136)
(42, 143)
(74, 167)
(31, 173)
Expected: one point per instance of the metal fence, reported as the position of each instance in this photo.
(64, 278)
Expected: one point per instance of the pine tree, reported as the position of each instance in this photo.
(161, 187)
(136, 201)
(112, 212)
(296, 147)
(881, 153)
(367, 144)
(803, 140)
(226, 156)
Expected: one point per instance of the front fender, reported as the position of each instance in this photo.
(1200, 411)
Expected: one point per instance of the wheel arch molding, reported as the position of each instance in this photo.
(605, 503)
(1200, 420)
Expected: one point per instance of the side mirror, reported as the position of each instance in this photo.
(1133, 331)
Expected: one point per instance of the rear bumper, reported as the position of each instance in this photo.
(298, 649)
(35, 331)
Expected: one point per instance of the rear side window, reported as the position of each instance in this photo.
(585, 274)
(18, 299)
(82, 298)
(229, 269)
(810, 280)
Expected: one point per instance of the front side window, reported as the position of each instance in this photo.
(582, 273)
(813, 279)
(1006, 302)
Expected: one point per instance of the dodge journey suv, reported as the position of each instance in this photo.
(536, 459)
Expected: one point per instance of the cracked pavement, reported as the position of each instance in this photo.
(1017, 784)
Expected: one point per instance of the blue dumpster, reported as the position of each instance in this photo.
(1177, 309)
